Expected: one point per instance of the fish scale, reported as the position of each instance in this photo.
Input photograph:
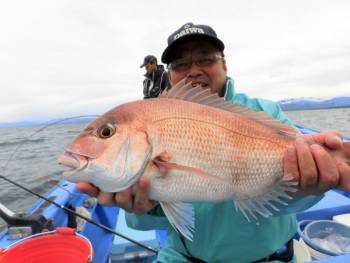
(198, 153)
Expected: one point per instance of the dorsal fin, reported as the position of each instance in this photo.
(204, 96)
(180, 87)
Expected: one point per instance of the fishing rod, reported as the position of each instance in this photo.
(152, 249)
(70, 211)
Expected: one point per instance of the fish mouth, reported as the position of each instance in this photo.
(74, 161)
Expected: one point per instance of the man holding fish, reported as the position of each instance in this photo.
(204, 152)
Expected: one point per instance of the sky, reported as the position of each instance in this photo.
(72, 57)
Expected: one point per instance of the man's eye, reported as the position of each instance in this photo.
(205, 61)
(180, 65)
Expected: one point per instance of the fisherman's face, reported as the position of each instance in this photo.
(150, 67)
(201, 63)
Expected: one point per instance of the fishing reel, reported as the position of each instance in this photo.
(21, 225)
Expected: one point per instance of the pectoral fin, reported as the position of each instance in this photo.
(165, 166)
(181, 217)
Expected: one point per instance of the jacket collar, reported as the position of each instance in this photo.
(229, 89)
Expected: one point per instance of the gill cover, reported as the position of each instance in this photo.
(131, 161)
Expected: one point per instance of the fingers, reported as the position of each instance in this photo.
(138, 204)
(306, 164)
(87, 188)
(121, 199)
(344, 169)
(290, 163)
(334, 141)
(142, 204)
(102, 197)
(314, 168)
(125, 200)
(331, 139)
(106, 199)
(344, 175)
(328, 172)
(346, 149)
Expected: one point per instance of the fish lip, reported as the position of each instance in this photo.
(73, 161)
(66, 160)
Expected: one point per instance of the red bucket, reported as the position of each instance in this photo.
(61, 245)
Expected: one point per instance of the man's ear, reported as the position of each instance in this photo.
(169, 76)
(224, 65)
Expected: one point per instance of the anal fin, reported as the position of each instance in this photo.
(181, 217)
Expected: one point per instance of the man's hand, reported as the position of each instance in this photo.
(137, 203)
(313, 167)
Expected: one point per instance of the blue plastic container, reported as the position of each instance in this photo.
(308, 229)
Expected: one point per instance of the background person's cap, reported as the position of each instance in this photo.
(148, 59)
(187, 32)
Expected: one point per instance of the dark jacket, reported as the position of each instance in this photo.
(155, 83)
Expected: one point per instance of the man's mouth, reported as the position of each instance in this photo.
(197, 84)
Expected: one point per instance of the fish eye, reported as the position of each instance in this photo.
(107, 130)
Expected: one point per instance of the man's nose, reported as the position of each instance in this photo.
(194, 70)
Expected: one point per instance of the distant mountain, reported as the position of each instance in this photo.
(44, 122)
(287, 104)
(314, 103)
(18, 124)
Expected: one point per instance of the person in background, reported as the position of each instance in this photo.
(223, 234)
(156, 78)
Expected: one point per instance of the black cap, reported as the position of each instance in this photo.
(187, 32)
(148, 59)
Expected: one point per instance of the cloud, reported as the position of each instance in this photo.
(72, 57)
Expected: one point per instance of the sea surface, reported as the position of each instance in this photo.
(323, 119)
(28, 155)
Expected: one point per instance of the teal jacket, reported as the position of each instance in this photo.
(223, 234)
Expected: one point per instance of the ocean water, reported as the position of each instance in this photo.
(323, 120)
(30, 157)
